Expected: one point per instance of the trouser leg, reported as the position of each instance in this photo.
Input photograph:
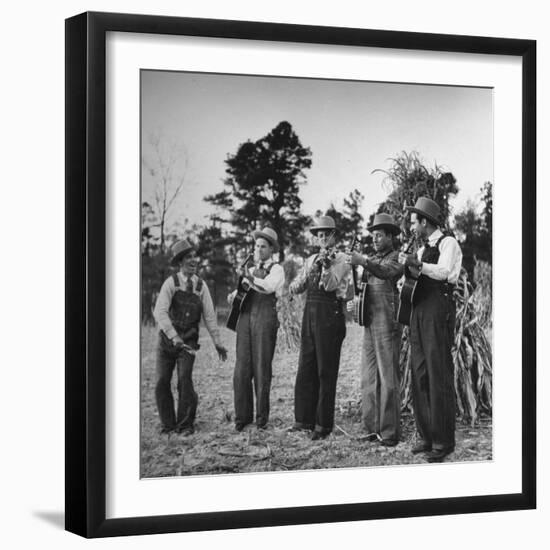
(369, 384)
(165, 363)
(306, 389)
(386, 345)
(242, 376)
(330, 330)
(263, 347)
(419, 379)
(187, 396)
(440, 368)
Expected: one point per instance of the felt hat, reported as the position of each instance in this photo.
(428, 208)
(269, 235)
(179, 250)
(384, 221)
(323, 222)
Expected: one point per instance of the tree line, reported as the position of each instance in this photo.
(262, 188)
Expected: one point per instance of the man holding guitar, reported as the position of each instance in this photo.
(257, 327)
(438, 264)
(380, 376)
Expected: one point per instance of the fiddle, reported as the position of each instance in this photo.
(327, 253)
(326, 256)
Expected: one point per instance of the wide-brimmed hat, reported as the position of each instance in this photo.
(428, 208)
(269, 235)
(323, 222)
(179, 250)
(384, 221)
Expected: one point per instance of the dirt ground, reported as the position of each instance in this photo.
(216, 447)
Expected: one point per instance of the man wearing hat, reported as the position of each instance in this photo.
(438, 265)
(324, 278)
(380, 376)
(183, 299)
(257, 332)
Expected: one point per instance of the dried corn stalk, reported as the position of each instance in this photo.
(289, 310)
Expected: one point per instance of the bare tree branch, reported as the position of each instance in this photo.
(167, 166)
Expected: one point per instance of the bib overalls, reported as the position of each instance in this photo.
(323, 331)
(185, 313)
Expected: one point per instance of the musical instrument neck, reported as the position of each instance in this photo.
(356, 286)
(410, 244)
(247, 259)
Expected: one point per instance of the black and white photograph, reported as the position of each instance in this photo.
(288, 263)
(316, 274)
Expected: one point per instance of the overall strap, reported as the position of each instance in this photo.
(176, 280)
(439, 241)
(198, 288)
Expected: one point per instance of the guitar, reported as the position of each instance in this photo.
(360, 299)
(406, 296)
(239, 300)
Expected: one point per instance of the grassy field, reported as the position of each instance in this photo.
(216, 447)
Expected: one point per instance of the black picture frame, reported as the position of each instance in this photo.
(86, 273)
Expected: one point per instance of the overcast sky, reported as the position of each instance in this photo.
(352, 128)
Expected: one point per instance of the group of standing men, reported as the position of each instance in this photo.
(325, 278)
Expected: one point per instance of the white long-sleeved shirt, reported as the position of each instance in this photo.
(273, 281)
(167, 291)
(448, 266)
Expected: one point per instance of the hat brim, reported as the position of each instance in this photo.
(178, 257)
(422, 213)
(268, 238)
(395, 229)
(314, 230)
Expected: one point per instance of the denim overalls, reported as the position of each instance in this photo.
(185, 313)
(323, 331)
